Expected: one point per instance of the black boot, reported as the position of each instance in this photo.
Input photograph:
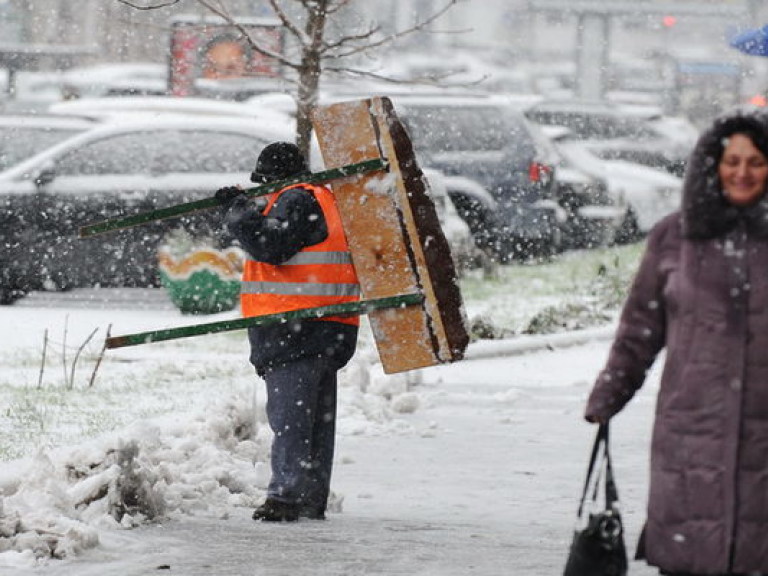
(276, 511)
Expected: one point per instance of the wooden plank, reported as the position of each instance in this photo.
(344, 309)
(394, 235)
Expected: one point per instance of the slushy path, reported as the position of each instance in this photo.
(484, 479)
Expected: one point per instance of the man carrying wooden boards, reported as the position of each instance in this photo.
(297, 258)
(317, 260)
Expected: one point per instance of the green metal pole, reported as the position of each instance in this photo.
(208, 203)
(346, 309)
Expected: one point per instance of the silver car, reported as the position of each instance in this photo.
(116, 168)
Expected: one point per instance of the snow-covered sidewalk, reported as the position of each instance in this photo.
(482, 478)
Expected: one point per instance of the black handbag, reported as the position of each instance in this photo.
(598, 548)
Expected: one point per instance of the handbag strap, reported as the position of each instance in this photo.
(611, 493)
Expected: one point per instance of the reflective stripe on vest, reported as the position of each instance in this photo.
(319, 258)
(300, 288)
(318, 275)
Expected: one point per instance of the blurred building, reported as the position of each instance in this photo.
(115, 31)
(632, 46)
(122, 32)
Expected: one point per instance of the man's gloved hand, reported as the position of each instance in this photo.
(225, 196)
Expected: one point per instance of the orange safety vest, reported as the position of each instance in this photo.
(318, 275)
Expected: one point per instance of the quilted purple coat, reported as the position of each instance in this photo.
(701, 293)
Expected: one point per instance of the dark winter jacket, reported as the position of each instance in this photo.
(702, 293)
(294, 222)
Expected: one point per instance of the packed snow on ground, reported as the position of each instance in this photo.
(177, 429)
(164, 430)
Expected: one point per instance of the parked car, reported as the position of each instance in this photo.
(22, 136)
(479, 209)
(127, 78)
(635, 134)
(591, 215)
(113, 169)
(644, 195)
(463, 249)
(485, 139)
(120, 107)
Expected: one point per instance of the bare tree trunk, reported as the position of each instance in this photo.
(309, 75)
(307, 100)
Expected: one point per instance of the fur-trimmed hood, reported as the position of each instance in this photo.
(705, 212)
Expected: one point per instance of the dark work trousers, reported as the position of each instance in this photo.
(301, 409)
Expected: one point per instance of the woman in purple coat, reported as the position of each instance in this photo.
(701, 293)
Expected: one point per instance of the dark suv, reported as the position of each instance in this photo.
(487, 140)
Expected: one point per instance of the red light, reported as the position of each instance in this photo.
(760, 101)
(669, 21)
(538, 171)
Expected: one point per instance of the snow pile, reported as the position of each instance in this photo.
(54, 505)
(149, 471)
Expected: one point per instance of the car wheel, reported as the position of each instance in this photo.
(12, 285)
(9, 295)
(58, 280)
(628, 231)
(6, 296)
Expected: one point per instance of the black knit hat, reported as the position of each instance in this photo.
(278, 161)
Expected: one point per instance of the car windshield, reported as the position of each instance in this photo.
(443, 129)
(597, 126)
(18, 143)
(653, 158)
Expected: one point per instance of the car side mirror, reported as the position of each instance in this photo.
(46, 175)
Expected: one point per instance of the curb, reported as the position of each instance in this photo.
(483, 349)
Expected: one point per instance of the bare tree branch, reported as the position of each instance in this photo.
(420, 26)
(261, 49)
(315, 50)
(427, 80)
(336, 7)
(389, 39)
(42, 364)
(64, 347)
(289, 25)
(151, 6)
(76, 358)
(100, 357)
(329, 46)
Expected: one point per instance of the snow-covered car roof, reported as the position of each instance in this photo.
(603, 107)
(50, 121)
(278, 101)
(585, 158)
(456, 99)
(112, 71)
(97, 79)
(556, 132)
(471, 188)
(111, 107)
